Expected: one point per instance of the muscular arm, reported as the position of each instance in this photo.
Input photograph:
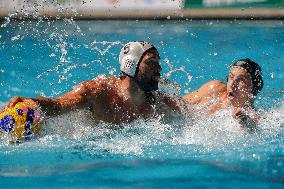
(203, 95)
(177, 103)
(174, 104)
(75, 99)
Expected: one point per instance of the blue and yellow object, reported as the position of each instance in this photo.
(20, 122)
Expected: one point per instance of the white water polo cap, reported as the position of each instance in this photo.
(131, 55)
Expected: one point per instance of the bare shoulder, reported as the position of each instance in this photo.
(100, 83)
(86, 92)
(208, 89)
(214, 86)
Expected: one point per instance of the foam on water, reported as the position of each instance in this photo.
(219, 133)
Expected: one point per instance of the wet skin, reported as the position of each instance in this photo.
(239, 87)
(149, 71)
(111, 99)
(236, 94)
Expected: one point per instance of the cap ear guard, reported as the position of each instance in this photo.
(128, 65)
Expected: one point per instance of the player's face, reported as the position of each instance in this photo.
(149, 72)
(239, 87)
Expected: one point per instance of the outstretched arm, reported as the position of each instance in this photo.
(174, 104)
(177, 104)
(76, 98)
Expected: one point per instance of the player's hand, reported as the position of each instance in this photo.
(241, 116)
(13, 101)
(238, 113)
(245, 119)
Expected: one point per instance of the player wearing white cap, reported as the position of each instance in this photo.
(112, 99)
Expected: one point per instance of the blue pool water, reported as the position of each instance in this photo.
(49, 57)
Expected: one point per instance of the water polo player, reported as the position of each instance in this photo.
(244, 83)
(113, 99)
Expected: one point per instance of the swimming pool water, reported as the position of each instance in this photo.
(49, 57)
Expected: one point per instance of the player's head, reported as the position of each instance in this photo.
(140, 60)
(244, 81)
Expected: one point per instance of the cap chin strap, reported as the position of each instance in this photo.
(127, 75)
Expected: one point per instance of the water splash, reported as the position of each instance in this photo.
(173, 70)
(6, 22)
(55, 36)
(102, 46)
(219, 133)
(15, 38)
